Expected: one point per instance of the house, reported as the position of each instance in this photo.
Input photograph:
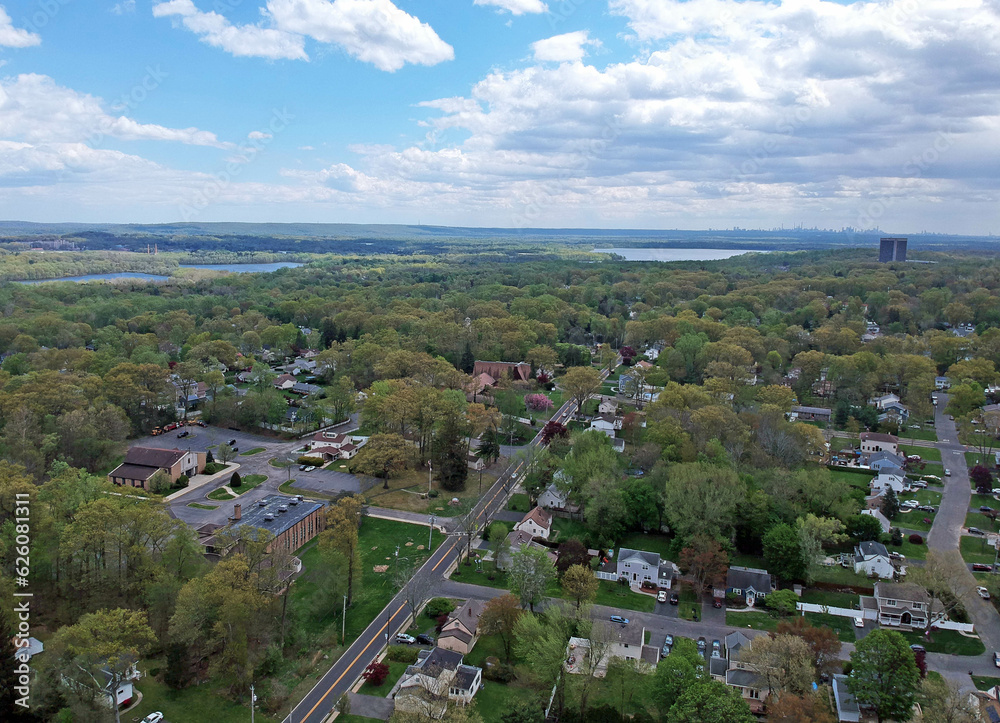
(285, 382)
(903, 605)
(438, 677)
(751, 686)
(889, 477)
(881, 401)
(812, 414)
(27, 648)
(474, 462)
(871, 558)
(886, 460)
(537, 523)
(460, 633)
(306, 389)
(141, 463)
(895, 412)
(244, 377)
(878, 442)
(942, 383)
(643, 364)
(847, 707)
(293, 521)
(623, 641)
(555, 499)
(518, 372)
(124, 693)
(189, 392)
(638, 567)
(734, 643)
(608, 405)
(749, 583)
(607, 423)
(515, 541)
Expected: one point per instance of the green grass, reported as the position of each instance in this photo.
(974, 458)
(611, 594)
(984, 682)
(220, 495)
(755, 620)
(978, 519)
(351, 718)
(975, 549)
(197, 702)
(214, 467)
(568, 529)
(651, 542)
(830, 598)
(914, 552)
(924, 497)
(249, 452)
(860, 479)
(914, 520)
(843, 627)
(841, 575)
(199, 506)
(950, 642)
(927, 454)
(381, 691)
(518, 502)
(927, 435)
(249, 482)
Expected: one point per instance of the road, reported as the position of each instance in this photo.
(319, 702)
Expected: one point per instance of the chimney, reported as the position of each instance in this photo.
(237, 511)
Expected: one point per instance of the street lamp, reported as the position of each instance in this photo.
(343, 623)
(430, 534)
(430, 472)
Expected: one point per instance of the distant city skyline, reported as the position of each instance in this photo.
(509, 113)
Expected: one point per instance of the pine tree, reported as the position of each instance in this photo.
(468, 362)
(890, 504)
(235, 480)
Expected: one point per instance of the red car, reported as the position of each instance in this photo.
(717, 603)
(982, 567)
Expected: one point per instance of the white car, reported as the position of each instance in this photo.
(910, 504)
(309, 469)
(995, 490)
(996, 659)
(983, 593)
(859, 622)
(661, 596)
(404, 638)
(153, 717)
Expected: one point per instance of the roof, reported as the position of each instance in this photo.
(553, 490)
(133, 471)
(515, 370)
(433, 661)
(878, 437)
(284, 378)
(736, 641)
(306, 388)
(650, 654)
(745, 578)
(870, 548)
(468, 615)
(456, 632)
(465, 676)
(812, 410)
(649, 558)
(743, 678)
(631, 634)
(846, 702)
(153, 457)
(901, 591)
(330, 437)
(540, 517)
(883, 454)
(324, 450)
(718, 666)
(255, 515)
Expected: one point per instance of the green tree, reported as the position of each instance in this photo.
(705, 562)
(384, 455)
(343, 520)
(450, 452)
(541, 642)
(225, 453)
(581, 383)
(530, 571)
(783, 553)
(702, 498)
(890, 504)
(676, 673)
(783, 602)
(884, 675)
(500, 616)
(580, 584)
(783, 663)
(709, 701)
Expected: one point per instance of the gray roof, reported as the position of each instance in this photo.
(718, 666)
(846, 702)
(870, 548)
(432, 661)
(896, 459)
(650, 558)
(736, 642)
(743, 678)
(255, 515)
(745, 578)
(811, 410)
(133, 471)
(465, 676)
(153, 457)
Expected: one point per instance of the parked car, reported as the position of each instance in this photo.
(665, 650)
(717, 603)
(996, 659)
(897, 555)
(231, 442)
(302, 467)
(669, 641)
(619, 619)
(661, 596)
(976, 531)
(918, 648)
(406, 639)
(995, 491)
(153, 717)
(982, 567)
(156, 431)
(716, 649)
(918, 485)
(425, 639)
(910, 504)
(947, 472)
(702, 645)
(983, 593)
(859, 622)
(310, 468)
(927, 508)
(675, 599)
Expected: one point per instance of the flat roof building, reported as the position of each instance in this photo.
(892, 249)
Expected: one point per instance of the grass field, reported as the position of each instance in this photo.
(843, 627)
(220, 495)
(381, 691)
(650, 542)
(915, 552)
(251, 452)
(289, 488)
(928, 454)
(830, 598)
(983, 682)
(975, 549)
(949, 642)
(914, 520)
(568, 529)
(861, 480)
(978, 519)
(755, 620)
(974, 458)
(927, 435)
(249, 482)
(518, 502)
(197, 702)
(408, 492)
(199, 506)
(841, 575)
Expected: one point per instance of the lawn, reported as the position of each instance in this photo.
(408, 492)
(927, 435)
(914, 552)
(927, 454)
(860, 479)
(197, 702)
(647, 542)
(199, 506)
(924, 497)
(249, 452)
(984, 682)
(351, 718)
(841, 575)
(613, 595)
(220, 495)
(755, 620)
(973, 458)
(988, 500)
(914, 520)
(568, 529)
(829, 598)
(381, 691)
(950, 642)
(843, 627)
(978, 519)
(518, 502)
(975, 549)
(289, 488)
(690, 604)
(249, 482)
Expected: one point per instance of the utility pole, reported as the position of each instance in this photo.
(430, 472)
(430, 534)
(253, 699)
(343, 624)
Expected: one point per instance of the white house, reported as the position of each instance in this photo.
(941, 383)
(871, 558)
(607, 423)
(904, 605)
(877, 442)
(554, 499)
(537, 523)
(885, 480)
(284, 382)
(438, 677)
(637, 567)
(881, 402)
(894, 411)
(848, 710)
(608, 405)
(623, 641)
(514, 542)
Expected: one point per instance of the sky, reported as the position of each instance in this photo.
(650, 114)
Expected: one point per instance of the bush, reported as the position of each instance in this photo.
(235, 480)
(181, 482)
(442, 620)
(501, 673)
(848, 667)
(311, 461)
(436, 607)
(376, 673)
(538, 402)
(433, 493)
(896, 537)
(401, 654)
(916, 539)
(209, 457)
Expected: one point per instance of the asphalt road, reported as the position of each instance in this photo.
(319, 702)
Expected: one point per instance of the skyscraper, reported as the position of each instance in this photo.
(892, 249)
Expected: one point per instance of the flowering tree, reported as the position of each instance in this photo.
(538, 402)
(376, 673)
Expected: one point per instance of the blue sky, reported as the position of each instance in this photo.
(586, 113)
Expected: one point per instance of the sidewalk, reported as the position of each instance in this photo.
(200, 480)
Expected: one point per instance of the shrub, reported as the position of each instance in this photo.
(442, 620)
(896, 537)
(311, 461)
(235, 480)
(433, 493)
(848, 667)
(401, 654)
(181, 482)
(376, 673)
(209, 457)
(436, 607)
(501, 673)
(916, 539)
(782, 602)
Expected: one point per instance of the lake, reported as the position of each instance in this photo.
(233, 268)
(664, 254)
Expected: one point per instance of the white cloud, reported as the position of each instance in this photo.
(239, 40)
(516, 7)
(258, 135)
(565, 48)
(12, 37)
(126, 7)
(34, 109)
(373, 31)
